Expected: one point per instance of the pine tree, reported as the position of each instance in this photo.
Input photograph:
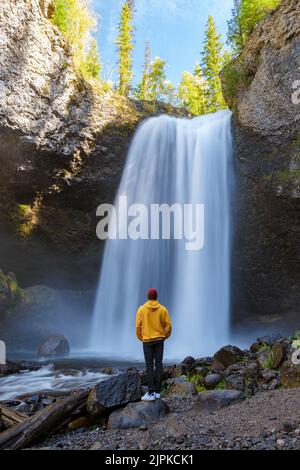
(212, 65)
(125, 47)
(192, 92)
(157, 79)
(145, 77)
(91, 65)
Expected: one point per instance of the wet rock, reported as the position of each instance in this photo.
(180, 387)
(54, 346)
(225, 357)
(290, 374)
(114, 391)
(212, 380)
(135, 415)
(213, 400)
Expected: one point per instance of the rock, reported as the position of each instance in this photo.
(265, 359)
(203, 362)
(4, 292)
(235, 382)
(280, 443)
(268, 375)
(2, 425)
(290, 374)
(180, 387)
(114, 391)
(54, 346)
(107, 370)
(288, 426)
(96, 446)
(187, 365)
(267, 144)
(269, 340)
(82, 422)
(212, 380)
(171, 427)
(213, 400)
(225, 357)
(255, 347)
(252, 371)
(135, 415)
(279, 350)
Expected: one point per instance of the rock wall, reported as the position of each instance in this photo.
(266, 248)
(63, 143)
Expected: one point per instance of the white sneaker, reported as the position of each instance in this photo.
(157, 395)
(148, 397)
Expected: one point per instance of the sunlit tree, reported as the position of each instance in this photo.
(125, 47)
(212, 63)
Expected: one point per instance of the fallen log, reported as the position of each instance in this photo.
(11, 418)
(43, 422)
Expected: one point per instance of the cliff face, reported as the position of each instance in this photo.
(63, 143)
(266, 250)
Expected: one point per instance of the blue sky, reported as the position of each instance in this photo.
(175, 29)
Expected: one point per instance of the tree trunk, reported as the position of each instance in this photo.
(11, 418)
(43, 423)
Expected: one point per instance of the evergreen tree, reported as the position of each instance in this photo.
(145, 77)
(91, 64)
(192, 92)
(212, 64)
(125, 47)
(157, 79)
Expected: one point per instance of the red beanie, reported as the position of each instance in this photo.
(152, 294)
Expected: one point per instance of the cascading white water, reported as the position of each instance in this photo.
(172, 161)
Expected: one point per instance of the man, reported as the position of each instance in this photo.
(153, 326)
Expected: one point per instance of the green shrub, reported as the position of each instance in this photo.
(268, 363)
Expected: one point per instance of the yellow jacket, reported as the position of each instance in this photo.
(153, 322)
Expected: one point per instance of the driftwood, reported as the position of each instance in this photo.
(43, 422)
(11, 418)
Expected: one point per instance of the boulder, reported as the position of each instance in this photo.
(213, 400)
(269, 339)
(212, 380)
(180, 387)
(235, 382)
(225, 357)
(114, 391)
(252, 371)
(54, 346)
(188, 364)
(290, 374)
(136, 415)
(265, 358)
(279, 350)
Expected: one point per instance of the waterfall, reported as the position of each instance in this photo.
(184, 161)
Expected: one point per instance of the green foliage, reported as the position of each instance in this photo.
(221, 385)
(264, 348)
(157, 78)
(125, 47)
(192, 92)
(246, 14)
(76, 21)
(235, 79)
(268, 363)
(296, 335)
(212, 63)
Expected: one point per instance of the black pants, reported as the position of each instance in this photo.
(153, 352)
